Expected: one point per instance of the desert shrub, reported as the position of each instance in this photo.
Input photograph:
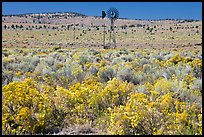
(168, 72)
(142, 89)
(143, 61)
(80, 77)
(42, 65)
(179, 71)
(197, 72)
(127, 58)
(196, 65)
(139, 55)
(146, 68)
(113, 55)
(164, 53)
(93, 70)
(64, 76)
(50, 61)
(155, 74)
(84, 59)
(117, 60)
(27, 67)
(158, 57)
(123, 51)
(106, 74)
(108, 54)
(139, 76)
(93, 52)
(196, 84)
(7, 77)
(127, 74)
(168, 56)
(7, 63)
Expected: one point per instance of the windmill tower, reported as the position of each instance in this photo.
(113, 15)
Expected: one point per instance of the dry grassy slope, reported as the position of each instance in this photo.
(185, 36)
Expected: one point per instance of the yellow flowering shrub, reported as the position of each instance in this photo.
(196, 63)
(163, 85)
(27, 108)
(134, 117)
(113, 94)
(164, 116)
(176, 58)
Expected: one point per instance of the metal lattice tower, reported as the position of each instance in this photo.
(113, 15)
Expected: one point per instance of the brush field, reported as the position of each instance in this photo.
(151, 84)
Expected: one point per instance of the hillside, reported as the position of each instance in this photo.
(81, 19)
(89, 30)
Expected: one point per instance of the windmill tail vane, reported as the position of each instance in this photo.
(103, 14)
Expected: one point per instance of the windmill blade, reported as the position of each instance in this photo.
(103, 14)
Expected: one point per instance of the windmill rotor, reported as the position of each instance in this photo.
(112, 13)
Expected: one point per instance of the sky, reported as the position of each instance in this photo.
(130, 10)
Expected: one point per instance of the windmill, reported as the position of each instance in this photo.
(113, 15)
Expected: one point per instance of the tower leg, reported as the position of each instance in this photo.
(113, 34)
(110, 35)
(104, 37)
(114, 39)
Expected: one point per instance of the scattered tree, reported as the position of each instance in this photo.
(12, 26)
